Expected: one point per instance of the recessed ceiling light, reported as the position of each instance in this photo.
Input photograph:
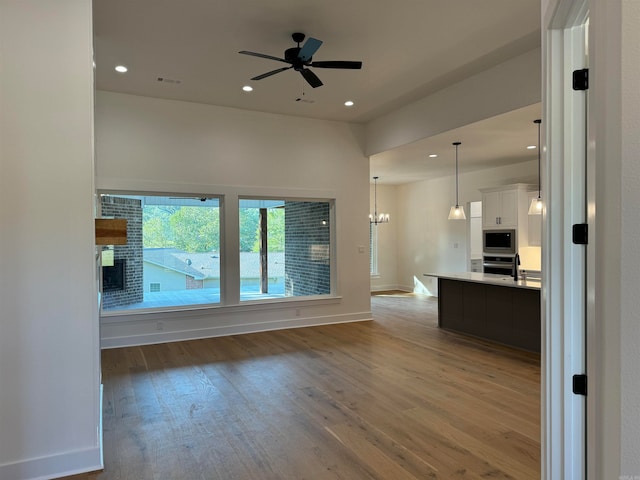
(433, 155)
(531, 147)
(348, 103)
(121, 69)
(247, 88)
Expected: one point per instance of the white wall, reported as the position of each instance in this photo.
(146, 144)
(630, 175)
(426, 239)
(604, 342)
(49, 351)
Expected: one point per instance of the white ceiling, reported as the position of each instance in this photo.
(409, 48)
(494, 142)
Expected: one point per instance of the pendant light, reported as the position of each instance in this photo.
(536, 203)
(376, 218)
(457, 211)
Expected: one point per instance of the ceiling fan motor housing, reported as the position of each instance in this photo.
(291, 55)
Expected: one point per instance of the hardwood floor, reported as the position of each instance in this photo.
(395, 398)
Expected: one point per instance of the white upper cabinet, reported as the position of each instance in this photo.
(507, 207)
(491, 209)
(500, 207)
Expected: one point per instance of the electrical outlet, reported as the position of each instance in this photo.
(159, 326)
(297, 312)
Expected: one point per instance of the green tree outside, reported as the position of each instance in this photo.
(275, 230)
(190, 229)
(156, 231)
(197, 229)
(249, 228)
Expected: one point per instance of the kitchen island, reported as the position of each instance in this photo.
(494, 307)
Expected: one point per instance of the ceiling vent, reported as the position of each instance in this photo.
(169, 80)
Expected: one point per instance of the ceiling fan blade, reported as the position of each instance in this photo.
(337, 64)
(311, 78)
(310, 47)
(272, 72)
(262, 55)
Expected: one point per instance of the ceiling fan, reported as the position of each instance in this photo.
(300, 58)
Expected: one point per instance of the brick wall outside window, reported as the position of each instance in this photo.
(131, 209)
(307, 248)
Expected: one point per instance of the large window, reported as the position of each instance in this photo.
(174, 258)
(172, 255)
(285, 248)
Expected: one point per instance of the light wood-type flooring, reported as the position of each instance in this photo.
(395, 398)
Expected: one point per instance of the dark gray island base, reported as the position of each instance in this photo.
(504, 313)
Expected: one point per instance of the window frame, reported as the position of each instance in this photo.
(228, 197)
(167, 308)
(333, 275)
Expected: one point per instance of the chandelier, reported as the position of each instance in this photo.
(376, 217)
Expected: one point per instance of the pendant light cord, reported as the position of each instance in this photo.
(456, 145)
(375, 199)
(539, 121)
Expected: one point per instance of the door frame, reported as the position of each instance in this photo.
(564, 171)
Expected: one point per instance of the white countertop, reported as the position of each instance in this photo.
(503, 280)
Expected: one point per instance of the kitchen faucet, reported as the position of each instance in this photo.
(516, 263)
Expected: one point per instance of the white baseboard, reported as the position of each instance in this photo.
(101, 425)
(387, 288)
(151, 337)
(54, 466)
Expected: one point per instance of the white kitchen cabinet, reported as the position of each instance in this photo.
(476, 265)
(507, 207)
(500, 209)
(503, 207)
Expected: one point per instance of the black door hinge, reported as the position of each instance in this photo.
(581, 79)
(581, 234)
(580, 384)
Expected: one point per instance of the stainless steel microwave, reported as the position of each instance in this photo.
(499, 241)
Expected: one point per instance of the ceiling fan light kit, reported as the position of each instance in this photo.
(301, 58)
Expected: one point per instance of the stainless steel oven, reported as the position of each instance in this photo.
(498, 264)
(499, 242)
